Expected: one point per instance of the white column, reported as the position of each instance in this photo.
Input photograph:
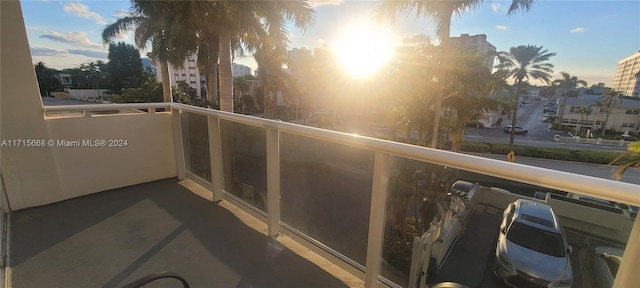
(215, 157)
(376, 219)
(178, 144)
(273, 181)
(628, 275)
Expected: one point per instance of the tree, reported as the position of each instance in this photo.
(608, 100)
(124, 62)
(629, 159)
(150, 19)
(521, 63)
(567, 83)
(47, 79)
(441, 13)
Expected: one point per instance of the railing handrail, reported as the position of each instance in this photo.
(559, 180)
(102, 107)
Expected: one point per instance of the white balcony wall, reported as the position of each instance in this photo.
(147, 156)
(36, 176)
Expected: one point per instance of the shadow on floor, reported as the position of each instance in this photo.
(112, 238)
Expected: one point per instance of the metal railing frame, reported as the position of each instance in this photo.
(558, 180)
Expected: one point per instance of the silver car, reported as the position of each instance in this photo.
(532, 249)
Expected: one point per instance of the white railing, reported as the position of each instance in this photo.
(558, 180)
(596, 141)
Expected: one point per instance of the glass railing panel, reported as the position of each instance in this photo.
(244, 156)
(463, 215)
(196, 145)
(326, 193)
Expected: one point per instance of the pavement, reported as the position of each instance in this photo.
(112, 238)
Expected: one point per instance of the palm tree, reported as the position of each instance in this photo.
(441, 12)
(609, 99)
(521, 63)
(150, 19)
(627, 160)
(566, 83)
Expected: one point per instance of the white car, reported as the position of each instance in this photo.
(532, 249)
(519, 130)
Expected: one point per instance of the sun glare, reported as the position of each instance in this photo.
(363, 48)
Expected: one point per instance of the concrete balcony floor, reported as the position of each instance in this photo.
(112, 238)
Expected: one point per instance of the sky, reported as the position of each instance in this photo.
(589, 37)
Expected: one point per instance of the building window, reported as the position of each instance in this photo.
(635, 112)
(573, 121)
(599, 122)
(574, 109)
(624, 125)
(632, 125)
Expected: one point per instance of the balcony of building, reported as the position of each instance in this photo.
(102, 195)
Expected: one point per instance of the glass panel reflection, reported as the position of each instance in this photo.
(244, 156)
(472, 225)
(196, 145)
(326, 193)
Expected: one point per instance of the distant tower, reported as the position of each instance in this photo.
(478, 42)
(627, 78)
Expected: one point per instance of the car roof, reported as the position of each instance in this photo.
(536, 214)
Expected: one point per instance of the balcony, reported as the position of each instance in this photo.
(234, 201)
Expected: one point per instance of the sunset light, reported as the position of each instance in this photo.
(363, 48)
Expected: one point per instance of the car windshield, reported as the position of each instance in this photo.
(461, 187)
(545, 242)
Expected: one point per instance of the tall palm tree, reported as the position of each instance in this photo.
(567, 83)
(608, 100)
(150, 19)
(521, 63)
(441, 12)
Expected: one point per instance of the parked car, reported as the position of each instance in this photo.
(605, 265)
(532, 249)
(461, 187)
(519, 130)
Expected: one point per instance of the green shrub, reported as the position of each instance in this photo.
(477, 147)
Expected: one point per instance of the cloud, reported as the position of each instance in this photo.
(316, 3)
(501, 27)
(83, 11)
(73, 38)
(495, 7)
(44, 51)
(89, 53)
(121, 13)
(578, 30)
(417, 38)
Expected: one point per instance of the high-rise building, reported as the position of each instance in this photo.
(478, 42)
(190, 73)
(240, 70)
(627, 78)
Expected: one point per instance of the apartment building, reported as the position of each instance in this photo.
(478, 42)
(584, 112)
(627, 79)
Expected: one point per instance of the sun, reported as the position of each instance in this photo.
(363, 48)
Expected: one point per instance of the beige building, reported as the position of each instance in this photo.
(478, 42)
(624, 117)
(627, 77)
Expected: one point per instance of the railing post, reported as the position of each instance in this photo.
(215, 157)
(376, 219)
(273, 181)
(628, 275)
(178, 145)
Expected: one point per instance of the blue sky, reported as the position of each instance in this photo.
(589, 37)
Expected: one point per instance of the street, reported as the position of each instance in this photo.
(530, 118)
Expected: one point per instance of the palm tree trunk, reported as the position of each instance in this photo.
(606, 121)
(266, 101)
(212, 75)
(514, 117)
(225, 74)
(166, 82)
(444, 43)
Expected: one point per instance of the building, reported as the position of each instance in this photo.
(190, 73)
(239, 70)
(627, 79)
(147, 65)
(65, 79)
(478, 42)
(583, 112)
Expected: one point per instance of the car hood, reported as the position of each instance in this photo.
(537, 264)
